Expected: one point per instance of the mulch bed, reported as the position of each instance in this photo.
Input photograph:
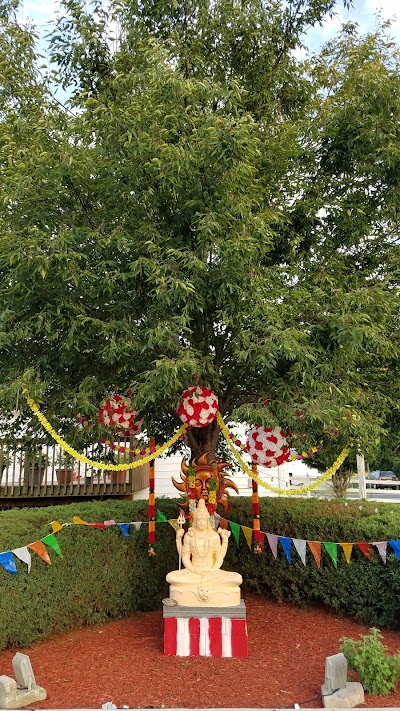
(123, 662)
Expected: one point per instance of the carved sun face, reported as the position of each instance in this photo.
(204, 472)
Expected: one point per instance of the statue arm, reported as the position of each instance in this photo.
(186, 553)
(220, 548)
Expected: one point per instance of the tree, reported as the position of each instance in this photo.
(206, 206)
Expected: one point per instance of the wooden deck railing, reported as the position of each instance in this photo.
(38, 471)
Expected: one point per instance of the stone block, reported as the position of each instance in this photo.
(348, 698)
(11, 697)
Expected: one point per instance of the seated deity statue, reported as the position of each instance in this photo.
(202, 582)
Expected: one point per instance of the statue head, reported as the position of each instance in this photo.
(201, 517)
(205, 470)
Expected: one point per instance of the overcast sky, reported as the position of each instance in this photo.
(363, 12)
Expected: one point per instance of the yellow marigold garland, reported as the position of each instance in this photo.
(101, 465)
(283, 492)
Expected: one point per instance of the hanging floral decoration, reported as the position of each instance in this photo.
(268, 446)
(197, 406)
(116, 413)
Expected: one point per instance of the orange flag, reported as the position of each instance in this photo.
(347, 548)
(41, 550)
(315, 548)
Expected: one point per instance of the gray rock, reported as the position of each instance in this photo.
(11, 697)
(335, 674)
(348, 698)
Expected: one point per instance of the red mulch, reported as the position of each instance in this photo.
(123, 662)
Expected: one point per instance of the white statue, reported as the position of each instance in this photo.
(202, 582)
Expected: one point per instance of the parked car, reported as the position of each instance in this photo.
(380, 475)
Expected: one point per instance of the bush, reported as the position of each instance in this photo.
(103, 576)
(378, 671)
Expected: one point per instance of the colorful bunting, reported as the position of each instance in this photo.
(8, 563)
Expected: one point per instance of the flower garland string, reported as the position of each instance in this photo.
(283, 492)
(101, 465)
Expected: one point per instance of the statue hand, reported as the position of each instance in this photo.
(224, 533)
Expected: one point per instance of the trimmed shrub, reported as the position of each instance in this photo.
(103, 576)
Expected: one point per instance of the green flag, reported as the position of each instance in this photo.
(51, 541)
(160, 518)
(235, 528)
(331, 548)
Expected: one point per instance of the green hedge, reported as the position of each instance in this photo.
(103, 576)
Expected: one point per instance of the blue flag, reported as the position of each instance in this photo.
(396, 547)
(286, 544)
(124, 528)
(8, 562)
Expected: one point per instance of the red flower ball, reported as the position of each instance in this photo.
(197, 406)
(116, 412)
(267, 446)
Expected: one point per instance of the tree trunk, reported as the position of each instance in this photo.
(203, 439)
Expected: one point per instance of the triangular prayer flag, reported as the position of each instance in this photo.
(248, 534)
(101, 526)
(273, 543)
(301, 548)
(396, 547)
(315, 548)
(51, 541)
(382, 549)
(174, 523)
(286, 544)
(8, 562)
(124, 528)
(24, 555)
(56, 526)
(235, 528)
(364, 547)
(111, 522)
(223, 523)
(137, 525)
(347, 548)
(331, 549)
(79, 521)
(40, 549)
(160, 517)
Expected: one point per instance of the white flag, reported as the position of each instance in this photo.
(301, 547)
(24, 555)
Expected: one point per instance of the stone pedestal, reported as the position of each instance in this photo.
(12, 697)
(205, 632)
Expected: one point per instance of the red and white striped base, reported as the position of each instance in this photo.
(205, 637)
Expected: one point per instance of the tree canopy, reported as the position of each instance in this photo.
(210, 204)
